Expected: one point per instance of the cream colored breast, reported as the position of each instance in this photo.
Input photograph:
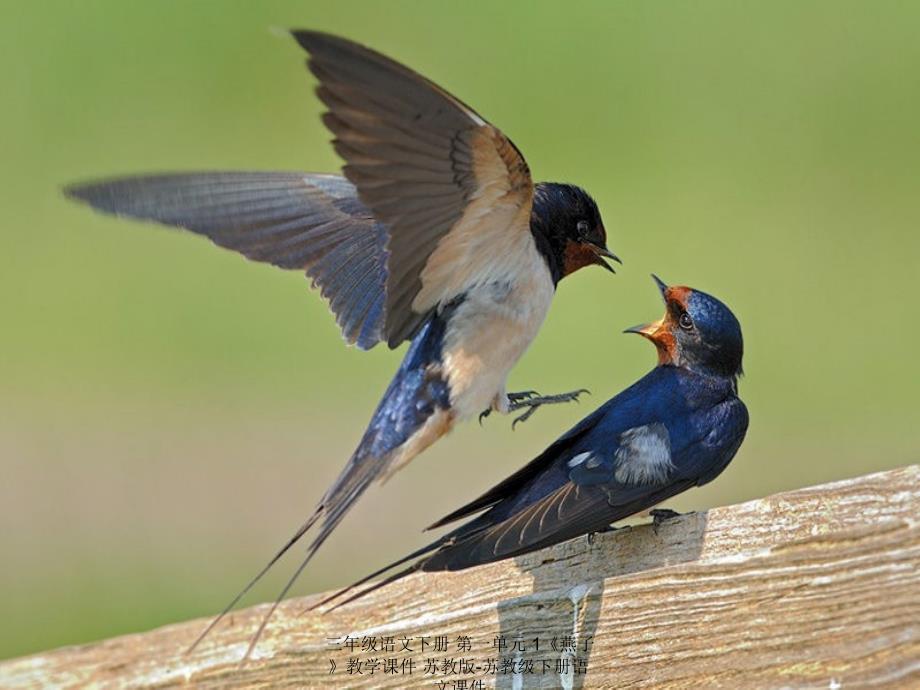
(492, 328)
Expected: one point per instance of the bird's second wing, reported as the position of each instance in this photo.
(293, 220)
(570, 511)
(526, 474)
(454, 192)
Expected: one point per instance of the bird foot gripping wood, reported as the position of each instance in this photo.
(532, 401)
(591, 536)
(660, 516)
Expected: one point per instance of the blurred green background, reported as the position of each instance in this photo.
(169, 413)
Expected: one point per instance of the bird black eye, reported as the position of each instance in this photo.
(686, 322)
(583, 228)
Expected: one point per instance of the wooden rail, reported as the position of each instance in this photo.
(818, 587)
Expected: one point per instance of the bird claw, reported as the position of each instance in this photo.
(660, 516)
(591, 536)
(524, 417)
(514, 399)
(521, 396)
(532, 401)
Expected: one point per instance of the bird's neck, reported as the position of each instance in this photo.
(712, 378)
(552, 254)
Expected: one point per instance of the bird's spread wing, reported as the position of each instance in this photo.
(293, 220)
(454, 192)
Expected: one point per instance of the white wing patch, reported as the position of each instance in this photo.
(644, 455)
(580, 458)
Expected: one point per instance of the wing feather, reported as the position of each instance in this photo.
(292, 220)
(564, 513)
(443, 180)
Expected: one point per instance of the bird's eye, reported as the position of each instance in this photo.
(583, 228)
(686, 322)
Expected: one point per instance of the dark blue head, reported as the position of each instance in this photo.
(697, 332)
(568, 229)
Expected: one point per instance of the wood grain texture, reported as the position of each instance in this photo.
(812, 588)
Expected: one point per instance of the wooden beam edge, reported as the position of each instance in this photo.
(858, 521)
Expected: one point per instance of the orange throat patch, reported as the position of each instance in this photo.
(577, 255)
(666, 345)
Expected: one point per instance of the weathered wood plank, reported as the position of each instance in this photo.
(812, 588)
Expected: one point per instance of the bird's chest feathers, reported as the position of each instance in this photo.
(491, 329)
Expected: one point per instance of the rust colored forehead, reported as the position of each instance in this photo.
(679, 294)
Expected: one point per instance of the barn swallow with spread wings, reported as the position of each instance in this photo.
(437, 235)
(677, 427)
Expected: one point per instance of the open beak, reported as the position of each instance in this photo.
(655, 330)
(604, 252)
(660, 335)
(659, 332)
(652, 331)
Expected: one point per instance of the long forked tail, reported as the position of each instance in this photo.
(354, 480)
(425, 558)
(367, 578)
(304, 528)
(413, 414)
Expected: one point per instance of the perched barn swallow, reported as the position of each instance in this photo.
(438, 236)
(677, 427)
